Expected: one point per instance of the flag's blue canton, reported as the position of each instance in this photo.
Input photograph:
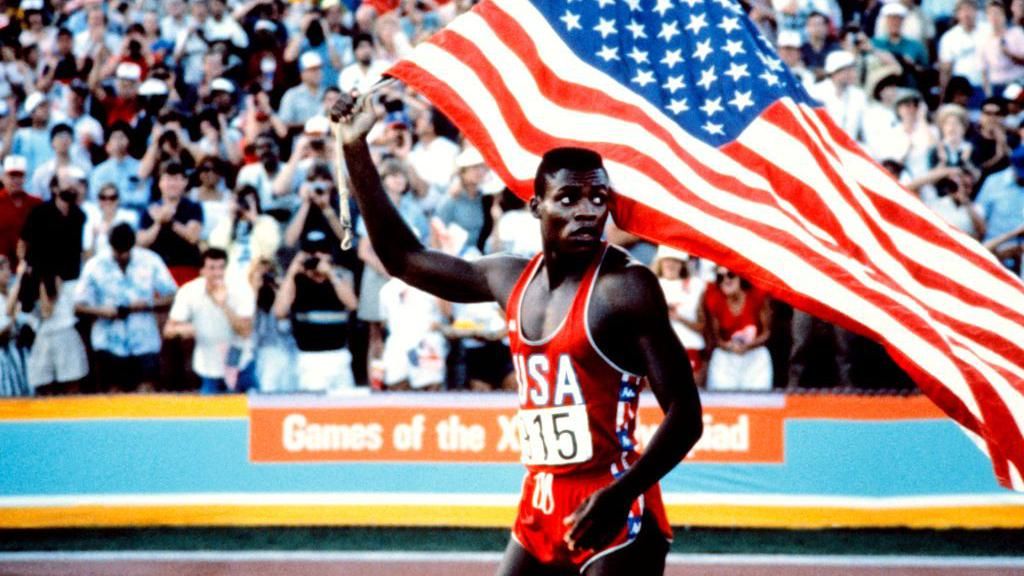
(702, 62)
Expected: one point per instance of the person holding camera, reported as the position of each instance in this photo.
(334, 50)
(246, 234)
(217, 312)
(318, 210)
(318, 297)
(122, 288)
(312, 147)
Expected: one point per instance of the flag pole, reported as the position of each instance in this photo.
(339, 168)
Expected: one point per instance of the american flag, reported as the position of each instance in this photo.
(714, 148)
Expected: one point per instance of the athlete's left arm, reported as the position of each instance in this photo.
(637, 316)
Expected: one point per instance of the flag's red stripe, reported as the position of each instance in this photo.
(512, 112)
(536, 141)
(664, 228)
(780, 117)
(573, 96)
(936, 233)
(942, 395)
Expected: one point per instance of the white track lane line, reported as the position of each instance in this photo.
(879, 561)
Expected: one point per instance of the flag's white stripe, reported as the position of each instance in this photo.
(445, 65)
(568, 123)
(809, 171)
(967, 349)
(805, 279)
(567, 65)
(880, 183)
(522, 85)
(936, 257)
(517, 160)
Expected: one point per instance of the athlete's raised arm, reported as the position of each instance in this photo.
(402, 254)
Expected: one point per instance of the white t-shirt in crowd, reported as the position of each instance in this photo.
(685, 297)
(214, 336)
(518, 233)
(962, 49)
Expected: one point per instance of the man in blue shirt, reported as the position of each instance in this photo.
(33, 141)
(1001, 200)
(912, 51)
(464, 205)
(121, 170)
(121, 288)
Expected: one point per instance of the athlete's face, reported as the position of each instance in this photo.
(573, 210)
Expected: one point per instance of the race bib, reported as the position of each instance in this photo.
(555, 436)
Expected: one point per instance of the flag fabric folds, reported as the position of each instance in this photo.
(714, 148)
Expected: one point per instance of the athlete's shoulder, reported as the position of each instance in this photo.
(502, 271)
(625, 284)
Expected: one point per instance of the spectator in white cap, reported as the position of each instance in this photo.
(302, 102)
(366, 71)
(33, 141)
(121, 104)
(894, 41)
(959, 47)
(843, 99)
(684, 294)
(464, 205)
(15, 206)
(313, 146)
(788, 45)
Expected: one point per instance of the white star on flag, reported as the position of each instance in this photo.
(572, 21)
(662, 7)
(669, 30)
(674, 83)
(678, 106)
(703, 49)
(712, 128)
(639, 56)
(691, 3)
(606, 28)
(769, 78)
(712, 106)
(634, 5)
(637, 29)
(603, 3)
(730, 25)
(737, 71)
(742, 100)
(707, 78)
(643, 77)
(734, 47)
(697, 23)
(608, 53)
(672, 57)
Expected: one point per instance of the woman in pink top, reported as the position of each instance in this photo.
(1002, 53)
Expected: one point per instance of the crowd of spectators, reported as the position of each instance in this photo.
(170, 216)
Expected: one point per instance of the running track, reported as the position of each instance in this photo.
(469, 564)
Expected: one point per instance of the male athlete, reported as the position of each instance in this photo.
(586, 326)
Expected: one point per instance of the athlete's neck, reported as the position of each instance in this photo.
(561, 266)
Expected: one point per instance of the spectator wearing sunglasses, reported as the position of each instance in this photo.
(740, 320)
(101, 217)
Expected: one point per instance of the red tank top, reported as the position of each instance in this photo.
(577, 409)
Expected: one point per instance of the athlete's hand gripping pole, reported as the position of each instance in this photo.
(341, 134)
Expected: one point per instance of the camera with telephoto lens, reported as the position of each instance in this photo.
(311, 263)
(320, 188)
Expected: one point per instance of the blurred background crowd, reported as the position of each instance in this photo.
(170, 217)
